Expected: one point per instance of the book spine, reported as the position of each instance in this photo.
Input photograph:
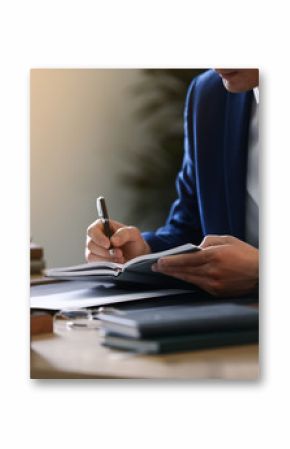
(206, 325)
(36, 266)
(36, 253)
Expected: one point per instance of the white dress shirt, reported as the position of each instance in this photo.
(252, 186)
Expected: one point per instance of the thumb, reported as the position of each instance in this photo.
(216, 240)
(115, 225)
(126, 234)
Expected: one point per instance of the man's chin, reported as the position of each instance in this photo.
(232, 87)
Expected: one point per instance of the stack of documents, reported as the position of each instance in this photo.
(72, 295)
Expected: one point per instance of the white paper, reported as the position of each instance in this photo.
(94, 297)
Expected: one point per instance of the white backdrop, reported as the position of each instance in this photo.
(114, 414)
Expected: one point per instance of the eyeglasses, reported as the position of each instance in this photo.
(69, 319)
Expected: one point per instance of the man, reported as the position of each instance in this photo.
(217, 187)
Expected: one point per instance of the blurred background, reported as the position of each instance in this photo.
(116, 133)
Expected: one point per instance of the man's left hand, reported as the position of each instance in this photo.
(226, 266)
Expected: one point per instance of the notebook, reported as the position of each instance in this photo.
(178, 319)
(137, 270)
(187, 342)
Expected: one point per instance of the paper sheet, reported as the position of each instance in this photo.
(94, 297)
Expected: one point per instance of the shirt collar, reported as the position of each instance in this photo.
(256, 94)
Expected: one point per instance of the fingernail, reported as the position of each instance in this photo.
(154, 267)
(112, 252)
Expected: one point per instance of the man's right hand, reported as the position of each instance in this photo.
(126, 243)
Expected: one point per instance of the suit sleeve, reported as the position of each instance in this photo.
(183, 222)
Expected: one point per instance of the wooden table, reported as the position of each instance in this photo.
(79, 354)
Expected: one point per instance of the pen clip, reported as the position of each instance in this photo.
(101, 208)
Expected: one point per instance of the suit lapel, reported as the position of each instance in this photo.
(235, 159)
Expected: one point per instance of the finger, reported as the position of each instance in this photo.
(214, 240)
(171, 271)
(181, 260)
(99, 251)
(90, 257)
(197, 278)
(96, 232)
(194, 278)
(125, 235)
(115, 225)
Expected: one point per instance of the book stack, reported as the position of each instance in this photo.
(37, 263)
(178, 327)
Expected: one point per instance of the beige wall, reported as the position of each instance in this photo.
(82, 122)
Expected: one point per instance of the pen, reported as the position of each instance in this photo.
(103, 214)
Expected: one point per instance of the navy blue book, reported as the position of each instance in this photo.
(178, 319)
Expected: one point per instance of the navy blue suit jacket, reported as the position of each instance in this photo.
(211, 184)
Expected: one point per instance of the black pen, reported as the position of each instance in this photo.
(103, 214)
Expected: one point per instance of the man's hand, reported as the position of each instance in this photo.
(126, 242)
(226, 266)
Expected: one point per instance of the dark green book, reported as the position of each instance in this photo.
(178, 319)
(178, 343)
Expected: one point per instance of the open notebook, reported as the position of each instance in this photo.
(137, 270)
